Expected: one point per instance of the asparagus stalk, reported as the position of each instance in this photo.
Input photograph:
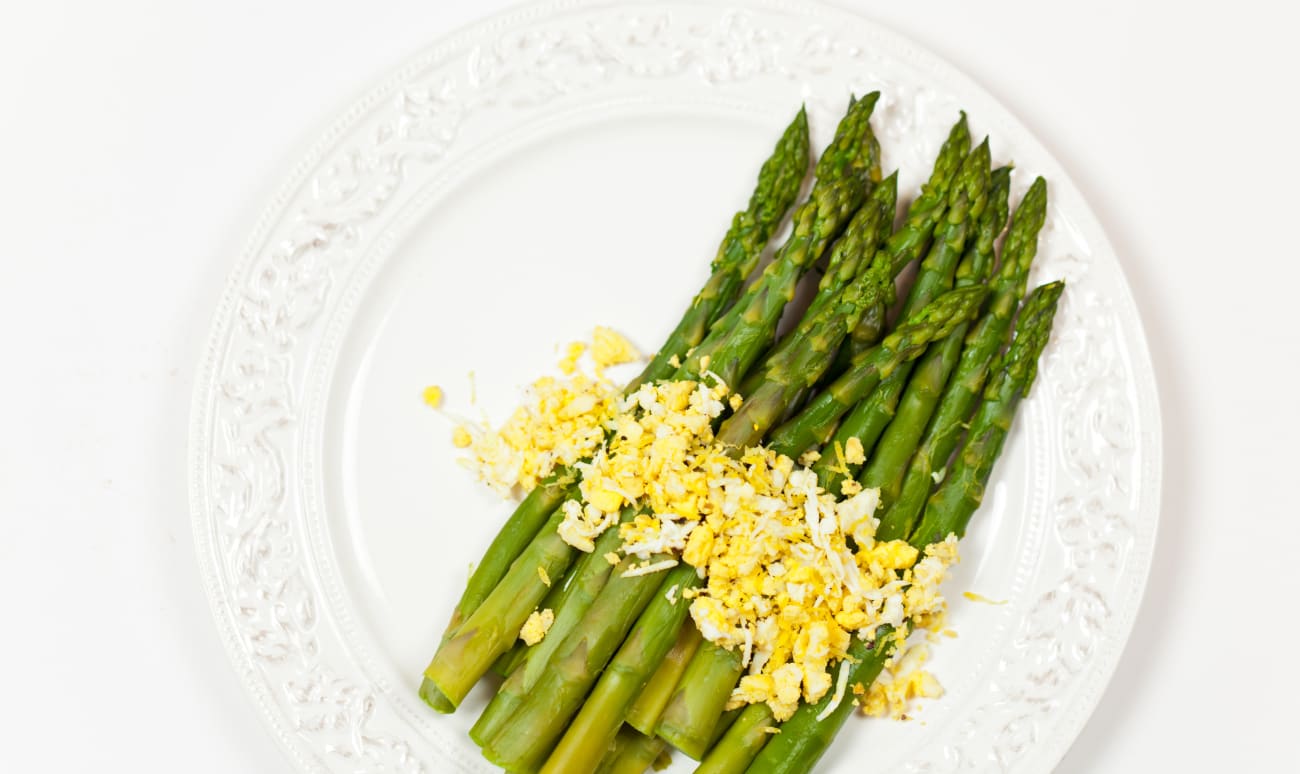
(889, 461)
(778, 185)
(590, 576)
(632, 753)
(967, 381)
(734, 751)
(493, 626)
(522, 743)
(815, 423)
(967, 201)
(806, 735)
(597, 722)
(909, 241)
(794, 369)
(951, 506)
(844, 172)
(701, 696)
(849, 257)
(649, 706)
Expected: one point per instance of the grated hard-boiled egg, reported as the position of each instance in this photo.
(561, 421)
(900, 684)
(788, 573)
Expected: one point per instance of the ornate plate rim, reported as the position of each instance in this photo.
(1105, 661)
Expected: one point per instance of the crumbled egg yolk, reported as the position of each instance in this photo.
(569, 363)
(608, 348)
(561, 421)
(900, 684)
(788, 573)
(854, 454)
(779, 578)
(433, 396)
(535, 628)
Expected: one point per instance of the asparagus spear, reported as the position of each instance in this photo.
(778, 184)
(522, 743)
(493, 626)
(816, 422)
(590, 576)
(889, 460)
(982, 344)
(734, 751)
(949, 509)
(849, 257)
(689, 719)
(967, 201)
(844, 172)
(908, 242)
(632, 753)
(594, 727)
(804, 737)
(649, 706)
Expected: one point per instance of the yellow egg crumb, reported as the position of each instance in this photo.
(541, 573)
(608, 348)
(809, 457)
(561, 421)
(735, 401)
(612, 558)
(972, 596)
(854, 454)
(536, 626)
(572, 353)
(433, 396)
(850, 487)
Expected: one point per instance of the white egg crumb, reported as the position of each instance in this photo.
(652, 567)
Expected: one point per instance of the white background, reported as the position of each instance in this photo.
(139, 140)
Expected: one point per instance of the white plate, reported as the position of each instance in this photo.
(571, 164)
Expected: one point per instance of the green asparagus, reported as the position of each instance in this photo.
(808, 733)
(817, 421)
(596, 723)
(590, 576)
(949, 509)
(967, 201)
(778, 185)
(986, 337)
(930, 373)
(649, 706)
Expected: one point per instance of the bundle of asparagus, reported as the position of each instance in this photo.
(621, 673)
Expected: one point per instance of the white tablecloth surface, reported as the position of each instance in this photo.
(140, 139)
